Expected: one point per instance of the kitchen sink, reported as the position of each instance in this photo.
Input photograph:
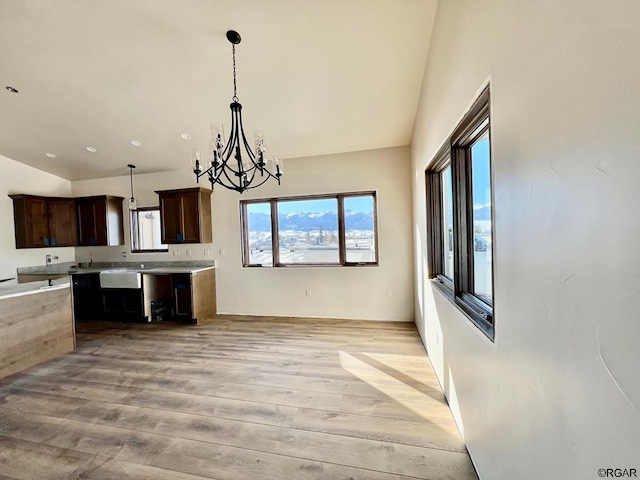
(120, 278)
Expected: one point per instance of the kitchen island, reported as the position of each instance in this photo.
(183, 292)
(36, 324)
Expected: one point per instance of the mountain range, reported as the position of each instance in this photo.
(308, 221)
(482, 212)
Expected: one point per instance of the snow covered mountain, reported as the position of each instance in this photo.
(308, 221)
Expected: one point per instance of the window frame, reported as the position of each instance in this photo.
(133, 228)
(456, 152)
(342, 253)
(436, 236)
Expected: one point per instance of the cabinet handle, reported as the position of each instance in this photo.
(46, 242)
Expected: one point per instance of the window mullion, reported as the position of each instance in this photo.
(459, 200)
(468, 219)
(275, 236)
(342, 241)
(245, 233)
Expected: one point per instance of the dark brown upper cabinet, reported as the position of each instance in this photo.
(63, 228)
(44, 221)
(185, 215)
(100, 221)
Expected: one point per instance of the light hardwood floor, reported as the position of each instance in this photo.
(235, 398)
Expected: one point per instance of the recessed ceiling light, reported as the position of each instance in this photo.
(91, 149)
(136, 143)
(11, 89)
(50, 155)
(186, 136)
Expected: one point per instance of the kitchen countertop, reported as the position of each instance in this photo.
(151, 268)
(30, 288)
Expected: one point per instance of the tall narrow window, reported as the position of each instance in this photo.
(460, 221)
(145, 231)
(481, 187)
(447, 223)
(359, 226)
(440, 204)
(257, 231)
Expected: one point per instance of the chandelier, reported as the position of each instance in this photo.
(227, 165)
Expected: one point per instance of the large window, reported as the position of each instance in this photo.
(337, 229)
(460, 209)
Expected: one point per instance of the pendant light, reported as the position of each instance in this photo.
(132, 200)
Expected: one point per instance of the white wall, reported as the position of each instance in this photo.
(19, 178)
(557, 396)
(358, 292)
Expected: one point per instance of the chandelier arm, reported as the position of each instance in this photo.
(262, 182)
(246, 143)
(226, 184)
(229, 179)
(253, 171)
(228, 148)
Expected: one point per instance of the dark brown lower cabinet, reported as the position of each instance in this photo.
(91, 302)
(186, 298)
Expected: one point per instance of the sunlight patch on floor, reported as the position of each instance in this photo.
(393, 382)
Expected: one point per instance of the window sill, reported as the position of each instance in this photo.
(469, 306)
(313, 265)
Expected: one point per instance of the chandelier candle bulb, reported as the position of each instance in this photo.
(212, 150)
(196, 157)
(217, 132)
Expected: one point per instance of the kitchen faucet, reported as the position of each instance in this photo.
(49, 259)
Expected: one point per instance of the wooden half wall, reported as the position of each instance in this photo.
(34, 328)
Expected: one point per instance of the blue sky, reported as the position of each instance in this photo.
(358, 204)
(481, 191)
(481, 175)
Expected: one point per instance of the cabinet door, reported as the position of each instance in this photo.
(92, 221)
(62, 222)
(190, 213)
(182, 305)
(87, 304)
(171, 218)
(37, 228)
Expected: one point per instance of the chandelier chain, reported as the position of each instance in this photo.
(235, 95)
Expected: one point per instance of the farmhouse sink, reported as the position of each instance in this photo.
(120, 278)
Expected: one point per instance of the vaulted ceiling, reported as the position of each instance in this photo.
(316, 76)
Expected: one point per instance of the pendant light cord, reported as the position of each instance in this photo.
(131, 167)
(131, 179)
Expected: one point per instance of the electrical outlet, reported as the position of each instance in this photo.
(206, 252)
(188, 252)
(124, 254)
(221, 251)
(389, 294)
(307, 293)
